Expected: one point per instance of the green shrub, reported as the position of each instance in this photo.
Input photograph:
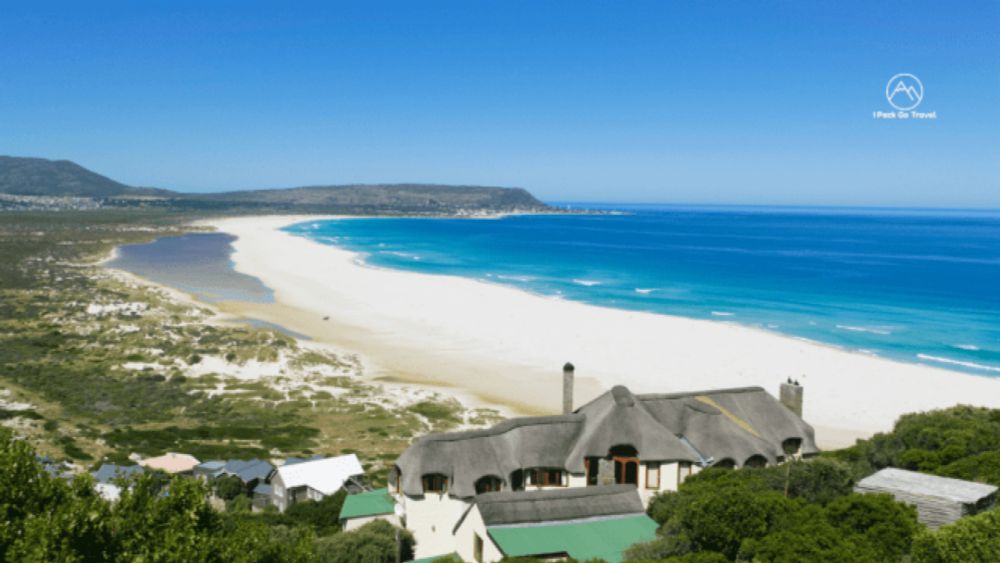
(974, 538)
(374, 542)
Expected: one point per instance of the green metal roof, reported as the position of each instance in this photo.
(369, 503)
(446, 556)
(605, 538)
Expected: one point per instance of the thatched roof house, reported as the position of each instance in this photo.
(939, 500)
(732, 427)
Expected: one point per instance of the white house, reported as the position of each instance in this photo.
(649, 442)
(313, 480)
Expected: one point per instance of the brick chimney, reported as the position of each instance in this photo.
(568, 370)
(791, 396)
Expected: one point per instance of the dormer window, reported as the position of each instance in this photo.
(488, 484)
(435, 483)
(546, 477)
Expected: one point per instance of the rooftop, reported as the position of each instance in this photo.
(696, 427)
(532, 507)
(370, 503)
(109, 472)
(324, 475)
(171, 462)
(957, 490)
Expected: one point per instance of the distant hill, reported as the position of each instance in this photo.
(413, 197)
(62, 178)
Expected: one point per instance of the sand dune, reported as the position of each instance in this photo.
(506, 346)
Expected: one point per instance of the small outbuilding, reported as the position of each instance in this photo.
(362, 508)
(939, 500)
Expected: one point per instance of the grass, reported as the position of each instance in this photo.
(87, 404)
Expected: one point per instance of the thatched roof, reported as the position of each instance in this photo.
(734, 424)
(556, 505)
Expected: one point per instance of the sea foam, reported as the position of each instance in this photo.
(950, 361)
(871, 330)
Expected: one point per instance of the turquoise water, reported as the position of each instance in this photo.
(918, 286)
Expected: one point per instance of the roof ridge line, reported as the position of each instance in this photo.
(503, 426)
(682, 394)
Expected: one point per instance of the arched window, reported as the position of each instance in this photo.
(435, 483)
(792, 445)
(626, 460)
(488, 484)
(726, 463)
(755, 460)
(517, 480)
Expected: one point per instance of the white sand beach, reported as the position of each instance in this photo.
(506, 347)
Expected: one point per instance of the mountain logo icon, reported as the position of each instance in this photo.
(904, 91)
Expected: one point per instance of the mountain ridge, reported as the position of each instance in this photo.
(32, 176)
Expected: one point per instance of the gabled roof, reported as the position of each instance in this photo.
(324, 475)
(533, 507)
(693, 427)
(293, 460)
(369, 503)
(248, 470)
(891, 479)
(109, 472)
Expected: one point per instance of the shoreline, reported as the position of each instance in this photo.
(505, 346)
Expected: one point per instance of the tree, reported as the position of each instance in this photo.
(806, 535)
(974, 538)
(44, 518)
(156, 522)
(960, 442)
(713, 511)
(323, 516)
(745, 515)
(374, 542)
(229, 487)
(884, 524)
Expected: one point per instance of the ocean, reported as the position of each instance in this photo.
(912, 285)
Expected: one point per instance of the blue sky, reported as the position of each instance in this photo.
(683, 102)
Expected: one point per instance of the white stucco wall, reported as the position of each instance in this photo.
(668, 480)
(471, 527)
(431, 519)
(279, 493)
